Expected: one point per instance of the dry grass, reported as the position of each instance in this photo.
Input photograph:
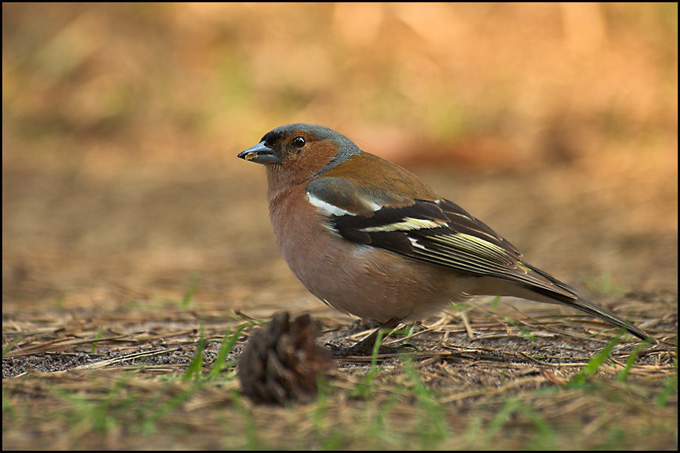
(69, 384)
(478, 379)
(130, 230)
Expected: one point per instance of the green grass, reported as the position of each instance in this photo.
(630, 361)
(432, 424)
(94, 343)
(588, 371)
(100, 414)
(188, 296)
(196, 366)
(365, 387)
(228, 342)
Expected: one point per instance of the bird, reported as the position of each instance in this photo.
(369, 238)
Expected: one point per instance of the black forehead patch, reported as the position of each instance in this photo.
(272, 137)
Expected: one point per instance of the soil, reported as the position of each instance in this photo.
(128, 270)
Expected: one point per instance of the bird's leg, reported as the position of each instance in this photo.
(365, 346)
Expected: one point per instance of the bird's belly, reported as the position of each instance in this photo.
(370, 282)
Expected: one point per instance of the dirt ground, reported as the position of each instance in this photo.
(94, 284)
(135, 243)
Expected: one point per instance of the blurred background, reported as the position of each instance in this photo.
(554, 123)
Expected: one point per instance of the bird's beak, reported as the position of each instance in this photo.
(261, 154)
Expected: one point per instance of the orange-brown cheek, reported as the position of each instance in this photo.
(310, 160)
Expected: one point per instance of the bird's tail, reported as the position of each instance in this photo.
(562, 293)
(604, 314)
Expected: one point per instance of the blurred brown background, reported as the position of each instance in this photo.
(554, 123)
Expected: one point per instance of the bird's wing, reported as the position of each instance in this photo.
(436, 231)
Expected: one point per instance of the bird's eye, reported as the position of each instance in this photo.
(299, 142)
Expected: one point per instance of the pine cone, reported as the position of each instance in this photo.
(280, 362)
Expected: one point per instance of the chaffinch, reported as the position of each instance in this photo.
(369, 238)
